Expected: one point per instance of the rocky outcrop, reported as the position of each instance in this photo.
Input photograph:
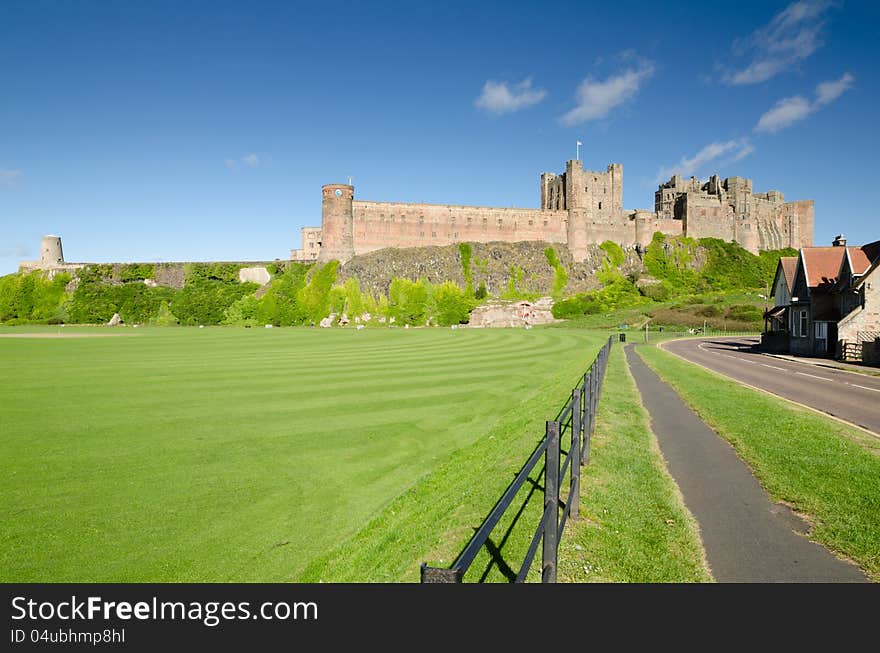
(494, 264)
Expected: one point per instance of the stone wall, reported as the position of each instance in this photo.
(865, 319)
(377, 225)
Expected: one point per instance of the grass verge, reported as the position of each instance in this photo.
(825, 470)
(633, 525)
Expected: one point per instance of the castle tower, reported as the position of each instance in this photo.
(578, 209)
(337, 223)
(50, 251)
(644, 228)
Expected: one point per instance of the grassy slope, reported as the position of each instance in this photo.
(824, 469)
(245, 454)
(634, 526)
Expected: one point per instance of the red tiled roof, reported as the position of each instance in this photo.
(872, 251)
(822, 265)
(859, 260)
(789, 267)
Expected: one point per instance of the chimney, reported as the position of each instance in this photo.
(840, 241)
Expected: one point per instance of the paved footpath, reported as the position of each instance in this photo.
(747, 537)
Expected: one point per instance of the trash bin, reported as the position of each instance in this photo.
(622, 337)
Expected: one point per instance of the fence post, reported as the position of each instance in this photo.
(574, 490)
(551, 499)
(585, 422)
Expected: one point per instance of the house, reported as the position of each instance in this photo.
(859, 330)
(827, 305)
(775, 337)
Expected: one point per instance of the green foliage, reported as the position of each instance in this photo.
(448, 304)
(728, 266)
(95, 302)
(136, 272)
(658, 292)
(481, 292)
(314, 297)
(465, 250)
(204, 301)
(164, 316)
(671, 260)
(614, 252)
(279, 305)
(745, 313)
(515, 290)
(560, 275)
(32, 298)
(407, 301)
(227, 272)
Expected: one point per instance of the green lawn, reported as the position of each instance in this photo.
(634, 527)
(826, 470)
(225, 454)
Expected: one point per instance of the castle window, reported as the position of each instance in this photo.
(422, 234)
(433, 234)
(470, 220)
(600, 206)
(545, 223)
(484, 221)
(455, 235)
(421, 219)
(531, 222)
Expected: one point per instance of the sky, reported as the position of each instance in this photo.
(172, 131)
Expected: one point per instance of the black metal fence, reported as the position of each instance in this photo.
(578, 418)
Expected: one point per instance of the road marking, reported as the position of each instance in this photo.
(863, 387)
(773, 367)
(813, 376)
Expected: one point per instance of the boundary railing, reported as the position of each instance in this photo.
(578, 416)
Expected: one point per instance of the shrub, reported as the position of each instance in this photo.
(448, 304)
(205, 301)
(314, 297)
(560, 275)
(464, 249)
(407, 301)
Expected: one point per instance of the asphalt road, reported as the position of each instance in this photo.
(847, 395)
(747, 537)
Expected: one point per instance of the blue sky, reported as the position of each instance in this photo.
(204, 131)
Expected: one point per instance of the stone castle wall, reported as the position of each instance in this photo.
(579, 208)
(418, 225)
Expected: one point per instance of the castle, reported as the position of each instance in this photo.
(578, 208)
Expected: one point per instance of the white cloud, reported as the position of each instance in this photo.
(734, 150)
(9, 178)
(790, 37)
(596, 99)
(827, 92)
(784, 113)
(499, 98)
(790, 110)
(250, 160)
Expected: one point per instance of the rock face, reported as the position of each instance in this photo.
(513, 314)
(258, 275)
(494, 264)
(115, 320)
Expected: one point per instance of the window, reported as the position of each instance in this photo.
(804, 325)
(600, 206)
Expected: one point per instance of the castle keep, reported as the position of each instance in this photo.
(578, 208)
